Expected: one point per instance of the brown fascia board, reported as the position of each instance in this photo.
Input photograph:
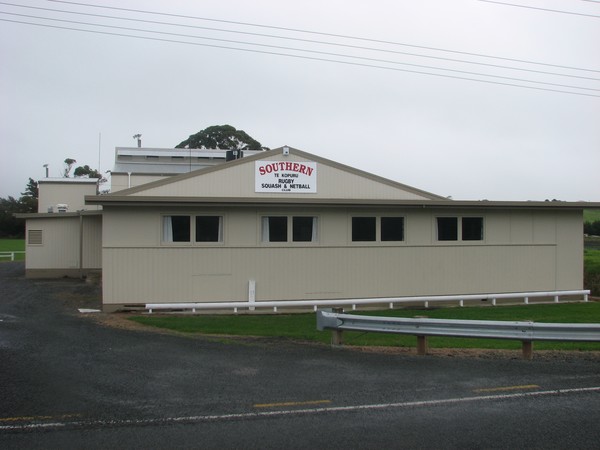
(272, 201)
(58, 215)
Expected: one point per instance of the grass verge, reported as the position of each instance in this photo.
(591, 274)
(591, 215)
(13, 245)
(303, 326)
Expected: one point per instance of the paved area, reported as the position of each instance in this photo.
(69, 381)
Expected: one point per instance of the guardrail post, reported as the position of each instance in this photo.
(336, 335)
(422, 345)
(527, 349)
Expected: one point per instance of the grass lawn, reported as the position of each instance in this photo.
(591, 261)
(591, 269)
(13, 245)
(591, 215)
(303, 326)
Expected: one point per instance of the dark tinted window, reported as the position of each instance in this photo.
(392, 228)
(363, 229)
(180, 228)
(472, 228)
(277, 229)
(447, 228)
(208, 228)
(302, 229)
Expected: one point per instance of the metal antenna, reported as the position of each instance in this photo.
(139, 139)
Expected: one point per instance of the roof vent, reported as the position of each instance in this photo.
(62, 207)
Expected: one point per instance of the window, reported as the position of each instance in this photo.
(372, 229)
(182, 228)
(392, 228)
(304, 229)
(176, 229)
(276, 228)
(471, 228)
(364, 229)
(447, 228)
(209, 229)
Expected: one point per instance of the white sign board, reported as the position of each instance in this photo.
(285, 176)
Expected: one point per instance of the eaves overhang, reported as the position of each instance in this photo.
(58, 215)
(129, 201)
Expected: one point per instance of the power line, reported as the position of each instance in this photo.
(439, 58)
(539, 9)
(297, 30)
(303, 57)
(376, 60)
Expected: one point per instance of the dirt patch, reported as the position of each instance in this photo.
(121, 321)
(562, 355)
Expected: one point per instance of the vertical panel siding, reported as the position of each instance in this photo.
(185, 275)
(92, 242)
(60, 247)
(522, 251)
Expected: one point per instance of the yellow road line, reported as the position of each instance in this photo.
(508, 388)
(275, 405)
(29, 418)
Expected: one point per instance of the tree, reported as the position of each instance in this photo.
(87, 171)
(222, 136)
(68, 166)
(592, 228)
(10, 226)
(29, 198)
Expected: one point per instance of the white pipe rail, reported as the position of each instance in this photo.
(10, 255)
(526, 332)
(390, 301)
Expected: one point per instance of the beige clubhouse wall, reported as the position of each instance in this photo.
(70, 192)
(121, 181)
(62, 249)
(523, 250)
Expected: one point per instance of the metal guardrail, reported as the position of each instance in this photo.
(10, 255)
(354, 302)
(526, 332)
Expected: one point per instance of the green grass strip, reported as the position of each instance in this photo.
(303, 326)
(13, 245)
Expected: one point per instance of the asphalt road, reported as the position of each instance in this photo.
(67, 381)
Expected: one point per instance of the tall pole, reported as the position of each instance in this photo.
(99, 148)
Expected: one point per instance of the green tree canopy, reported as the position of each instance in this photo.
(29, 198)
(68, 166)
(87, 171)
(10, 226)
(221, 136)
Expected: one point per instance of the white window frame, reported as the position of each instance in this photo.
(264, 230)
(377, 241)
(459, 231)
(192, 242)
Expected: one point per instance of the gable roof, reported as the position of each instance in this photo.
(234, 181)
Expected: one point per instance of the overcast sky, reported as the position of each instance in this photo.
(417, 119)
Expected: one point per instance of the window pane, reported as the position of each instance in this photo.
(472, 228)
(208, 228)
(277, 229)
(447, 228)
(392, 228)
(179, 229)
(302, 229)
(363, 229)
